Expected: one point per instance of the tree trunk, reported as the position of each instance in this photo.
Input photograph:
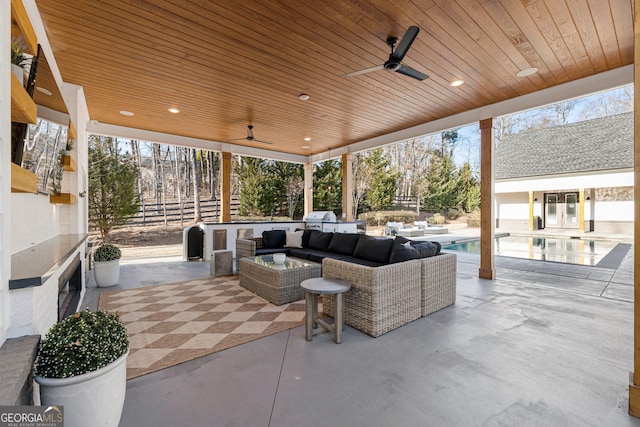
(197, 217)
(212, 175)
(135, 151)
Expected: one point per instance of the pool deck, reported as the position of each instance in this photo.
(614, 282)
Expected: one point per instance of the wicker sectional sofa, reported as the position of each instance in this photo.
(385, 293)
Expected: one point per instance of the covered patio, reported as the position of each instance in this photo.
(542, 344)
(309, 78)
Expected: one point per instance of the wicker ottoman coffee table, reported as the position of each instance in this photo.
(277, 283)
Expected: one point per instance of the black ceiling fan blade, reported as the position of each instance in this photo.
(408, 71)
(405, 44)
(262, 141)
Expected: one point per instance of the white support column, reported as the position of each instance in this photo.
(347, 187)
(5, 166)
(634, 377)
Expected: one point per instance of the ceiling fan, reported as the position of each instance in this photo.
(394, 63)
(250, 137)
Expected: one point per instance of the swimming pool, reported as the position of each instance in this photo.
(556, 249)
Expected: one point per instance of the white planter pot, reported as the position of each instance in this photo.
(92, 399)
(19, 73)
(106, 273)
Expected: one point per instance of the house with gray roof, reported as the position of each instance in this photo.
(577, 176)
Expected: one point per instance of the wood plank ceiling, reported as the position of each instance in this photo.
(226, 64)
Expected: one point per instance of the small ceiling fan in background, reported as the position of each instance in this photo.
(394, 63)
(250, 137)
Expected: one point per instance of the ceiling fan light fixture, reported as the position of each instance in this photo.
(174, 110)
(456, 83)
(527, 72)
(303, 97)
(126, 113)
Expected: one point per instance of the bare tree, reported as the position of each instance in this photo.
(197, 216)
(295, 188)
(610, 103)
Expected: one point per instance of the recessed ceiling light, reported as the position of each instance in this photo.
(527, 72)
(126, 113)
(43, 90)
(303, 96)
(307, 138)
(306, 147)
(456, 83)
(174, 110)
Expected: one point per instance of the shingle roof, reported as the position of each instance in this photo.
(599, 144)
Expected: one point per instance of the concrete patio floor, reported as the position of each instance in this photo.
(543, 345)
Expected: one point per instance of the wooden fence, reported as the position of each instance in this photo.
(153, 213)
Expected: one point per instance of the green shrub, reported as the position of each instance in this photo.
(107, 252)
(453, 213)
(382, 217)
(81, 343)
(473, 219)
(436, 218)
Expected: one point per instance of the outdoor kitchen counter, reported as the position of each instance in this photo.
(217, 234)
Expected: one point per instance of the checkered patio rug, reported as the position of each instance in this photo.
(177, 322)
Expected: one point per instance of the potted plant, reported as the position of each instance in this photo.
(18, 58)
(81, 364)
(68, 147)
(106, 262)
(537, 223)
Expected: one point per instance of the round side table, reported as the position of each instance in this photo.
(324, 286)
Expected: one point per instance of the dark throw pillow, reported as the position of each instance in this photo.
(343, 243)
(274, 238)
(319, 240)
(306, 236)
(405, 249)
(372, 248)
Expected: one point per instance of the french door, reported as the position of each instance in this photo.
(561, 210)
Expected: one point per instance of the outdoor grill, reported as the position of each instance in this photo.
(315, 220)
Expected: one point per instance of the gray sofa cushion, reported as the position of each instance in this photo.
(376, 249)
(343, 243)
(360, 261)
(299, 253)
(269, 251)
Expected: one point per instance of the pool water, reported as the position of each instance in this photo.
(570, 251)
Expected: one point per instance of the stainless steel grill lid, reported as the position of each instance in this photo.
(320, 216)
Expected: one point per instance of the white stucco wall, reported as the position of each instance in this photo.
(614, 211)
(35, 309)
(35, 220)
(5, 168)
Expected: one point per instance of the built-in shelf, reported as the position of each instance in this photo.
(23, 108)
(63, 199)
(68, 163)
(21, 26)
(72, 131)
(23, 181)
